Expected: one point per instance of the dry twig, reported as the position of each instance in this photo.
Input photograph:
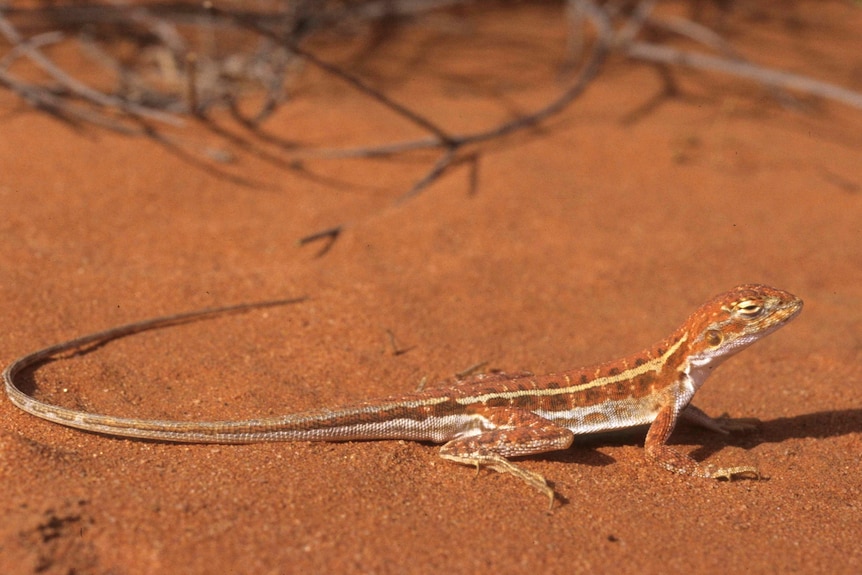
(182, 67)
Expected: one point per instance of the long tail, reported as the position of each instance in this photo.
(209, 432)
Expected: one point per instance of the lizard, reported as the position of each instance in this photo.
(487, 419)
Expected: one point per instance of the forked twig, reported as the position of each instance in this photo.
(452, 144)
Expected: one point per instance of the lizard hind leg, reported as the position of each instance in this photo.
(509, 432)
(499, 463)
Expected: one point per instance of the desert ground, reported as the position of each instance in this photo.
(586, 238)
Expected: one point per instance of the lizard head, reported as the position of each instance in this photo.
(732, 321)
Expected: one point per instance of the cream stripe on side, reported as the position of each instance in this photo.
(653, 365)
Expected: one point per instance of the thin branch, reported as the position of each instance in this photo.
(329, 234)
(634, 24)
(372, 151)
(697, 32)
(703, 35)
(37, 41)
(73, 85)
(61, 108)
(453, 144)
(767, 76)
(439, 168)
(332, 69)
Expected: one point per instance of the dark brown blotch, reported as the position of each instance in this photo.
(592, 396)
(643, 384)
(497, 402)
(434, 410)
(529, 402)
(557, 402)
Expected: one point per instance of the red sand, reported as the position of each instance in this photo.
(586, 240)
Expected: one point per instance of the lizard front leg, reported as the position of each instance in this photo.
(509, 432)
(657, 450)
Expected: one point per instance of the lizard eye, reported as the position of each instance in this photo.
(714, 338)
(749, 309)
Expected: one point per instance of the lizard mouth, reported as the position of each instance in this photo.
(784, 313)
(789, 311)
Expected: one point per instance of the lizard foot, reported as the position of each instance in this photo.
(729, 472)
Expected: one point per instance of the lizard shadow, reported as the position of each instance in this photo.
(24, 379)
(583, 452)
(585, 448)
(821, 424)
